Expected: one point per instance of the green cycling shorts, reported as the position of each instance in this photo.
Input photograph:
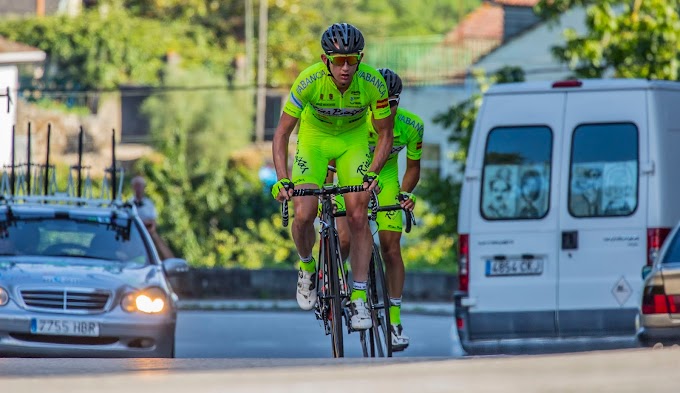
(386, 221)
(315, 148)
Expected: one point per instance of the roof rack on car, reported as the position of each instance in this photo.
(37, 183)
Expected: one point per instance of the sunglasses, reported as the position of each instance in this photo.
(394, 101)
(340, 60)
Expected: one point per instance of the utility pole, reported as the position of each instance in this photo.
(40, 7)
(249, 42)
(261, 72)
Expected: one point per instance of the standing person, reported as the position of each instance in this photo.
(408, 133)
(331, 99)
(146, 210)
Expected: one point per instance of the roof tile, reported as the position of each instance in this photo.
(7, 46)
(517, 3)
(485, 22)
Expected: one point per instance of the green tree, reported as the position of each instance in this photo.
(634, 39)
(104, 50)
(216, 119)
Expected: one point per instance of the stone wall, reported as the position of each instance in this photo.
(280, 284)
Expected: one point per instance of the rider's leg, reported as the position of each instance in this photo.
(304, 234)
(309, 171)
(391, 252)
(359, 235)
(360, 254)
(343, 235)
(351, 165)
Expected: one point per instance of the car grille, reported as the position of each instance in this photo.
(76, 301)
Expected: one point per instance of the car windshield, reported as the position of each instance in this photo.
(672, 254)
(72, 238)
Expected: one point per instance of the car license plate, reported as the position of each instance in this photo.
(514, 267)
(64, 327)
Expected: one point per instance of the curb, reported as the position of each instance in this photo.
(424, 308)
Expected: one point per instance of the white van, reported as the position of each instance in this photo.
(570, 188)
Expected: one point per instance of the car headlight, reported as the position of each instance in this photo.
(150, 301)
(4, 296)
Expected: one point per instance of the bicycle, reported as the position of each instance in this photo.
(378, 339)
(331, 281)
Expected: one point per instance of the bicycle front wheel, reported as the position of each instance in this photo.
(380, 335)
(335, 300)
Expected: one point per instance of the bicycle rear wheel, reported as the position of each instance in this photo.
(335, 299)
(380, 335)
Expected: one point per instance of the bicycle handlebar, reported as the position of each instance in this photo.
(327, 191)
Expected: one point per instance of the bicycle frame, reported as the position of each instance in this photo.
(331, 283)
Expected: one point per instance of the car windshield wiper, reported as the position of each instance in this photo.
(80, 256)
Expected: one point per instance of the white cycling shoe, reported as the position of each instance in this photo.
(400, 340)
(306, 290)
(361, 318)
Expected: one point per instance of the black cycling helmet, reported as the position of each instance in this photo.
(343, 39)
(393, 81)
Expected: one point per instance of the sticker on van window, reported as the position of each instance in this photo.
(515, 191)
(619, 187)
(603, 189)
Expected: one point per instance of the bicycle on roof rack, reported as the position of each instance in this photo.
(34, 182)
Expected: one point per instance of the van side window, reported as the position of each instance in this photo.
(603, 177)
(516, 174)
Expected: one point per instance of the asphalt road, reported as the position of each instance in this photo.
(295, 335)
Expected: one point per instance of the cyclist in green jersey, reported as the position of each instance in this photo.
(331, 100)
(408, 134)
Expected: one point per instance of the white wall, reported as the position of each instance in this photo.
(8, 78)
(531, 50)
(428, 102)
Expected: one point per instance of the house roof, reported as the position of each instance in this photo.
(485, 22)
(14, 52)
(517, 3)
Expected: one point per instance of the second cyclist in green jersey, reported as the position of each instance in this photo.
(408, 134)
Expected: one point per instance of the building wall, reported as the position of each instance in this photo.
(428, 102)
(8, 78)
(531, 50)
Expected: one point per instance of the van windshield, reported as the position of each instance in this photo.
(516, 176)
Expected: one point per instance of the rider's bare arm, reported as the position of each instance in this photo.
(285, 128)
(384, 128)
(411, 176)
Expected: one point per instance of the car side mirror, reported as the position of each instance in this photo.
(174, 266)
(645, 271)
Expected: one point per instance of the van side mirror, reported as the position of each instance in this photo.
(175, 266)
(645, 271)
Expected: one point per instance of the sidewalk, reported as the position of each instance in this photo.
(426, 308)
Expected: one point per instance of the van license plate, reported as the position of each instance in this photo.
(64, 327)
(514, 267)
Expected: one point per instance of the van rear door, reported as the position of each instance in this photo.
(603, 212)
(513, 225)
